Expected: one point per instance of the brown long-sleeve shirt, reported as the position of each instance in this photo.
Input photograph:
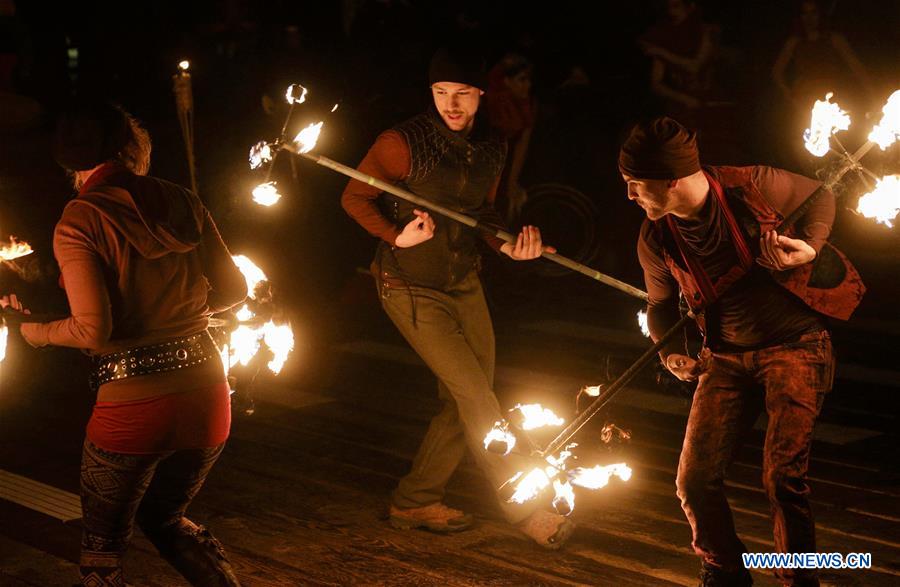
(389, 160)
(141, 261)
(757, 312)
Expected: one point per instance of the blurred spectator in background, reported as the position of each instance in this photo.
(682, 49)
(813, 61)
(511, 112)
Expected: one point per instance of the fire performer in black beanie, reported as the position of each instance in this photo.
(760, 299)
(143, 267)
(425, 269)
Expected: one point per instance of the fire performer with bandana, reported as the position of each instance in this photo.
(426, 274)
(143, 267)
(761, 301)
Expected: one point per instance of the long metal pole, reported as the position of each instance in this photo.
(608, 393)
(463, 219)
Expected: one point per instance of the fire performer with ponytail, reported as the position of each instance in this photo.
(143, 267)
(761, 299)
(425, 269)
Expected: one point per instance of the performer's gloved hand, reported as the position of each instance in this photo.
(528, 245)
(780, 253)
(418, 230)
(11, 303)
(683, 367)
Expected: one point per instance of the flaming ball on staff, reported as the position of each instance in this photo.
(500, 440)
(260, 153)
(14, 250)
(549, 471)
(533, 416)
(307, 138)
(255, 327)
(887, 131)
(883, 203)
(827, 118)
(266, 194)
(642, 322)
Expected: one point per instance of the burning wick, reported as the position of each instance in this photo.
(882, 203)
(260, 153)
(247, 339)
(306, 139)
(184, 65)
(536, 416)
(500, 440)
(642, 322)
(564, 500)
(295, 94)
(888, 130)
(14, 249)
(531, 485)
(599, 476)
(266, 194)
(827, 118)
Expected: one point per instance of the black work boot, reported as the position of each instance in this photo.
(711, 576)
(194, 553)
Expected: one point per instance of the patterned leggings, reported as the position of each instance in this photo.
(117, 489)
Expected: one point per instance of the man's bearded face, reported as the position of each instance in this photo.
(456, 103)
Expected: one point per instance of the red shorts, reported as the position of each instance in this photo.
(199, 418)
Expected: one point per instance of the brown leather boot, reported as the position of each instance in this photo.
(435, 517)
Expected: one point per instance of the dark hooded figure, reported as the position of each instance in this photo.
(143, 267)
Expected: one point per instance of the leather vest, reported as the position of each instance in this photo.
(829, 285)
(451, 170)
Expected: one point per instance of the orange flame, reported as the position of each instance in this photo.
(307, 138)
(882, 203)
(266, 194)
(642, 322)
(247, 339)
(500, 433)
(537, 416)
(598, 477)
(14, 249)
(888, 130)
(827, 118)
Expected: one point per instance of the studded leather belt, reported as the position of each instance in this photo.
(178, 353)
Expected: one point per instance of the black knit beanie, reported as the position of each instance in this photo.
(459, 66)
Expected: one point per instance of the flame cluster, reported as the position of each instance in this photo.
(266, 193)
(827, 118)
(247, 339)
(530, 485)
(883, 202)
(526, 486)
